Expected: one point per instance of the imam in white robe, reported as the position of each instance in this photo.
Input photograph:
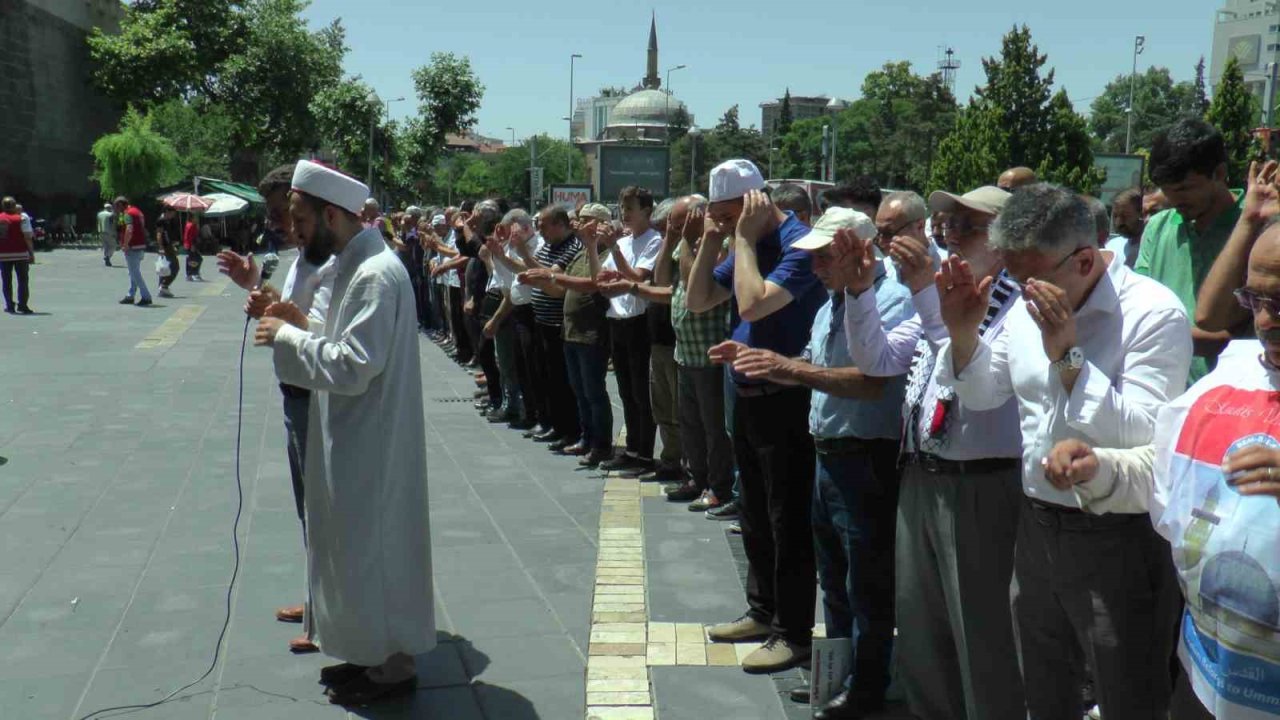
(368, 538)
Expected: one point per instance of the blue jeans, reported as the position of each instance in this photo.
(588, 367)
(855, 501)
(133, 258)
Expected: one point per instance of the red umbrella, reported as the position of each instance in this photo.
(186, 202)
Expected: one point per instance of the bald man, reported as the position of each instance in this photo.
(1016, 177)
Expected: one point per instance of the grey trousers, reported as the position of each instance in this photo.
(296, 410)
(955, 648)
(662, 397)
(1101, 589)
(708, 449)
(504, 344)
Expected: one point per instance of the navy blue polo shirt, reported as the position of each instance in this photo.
(786, 331)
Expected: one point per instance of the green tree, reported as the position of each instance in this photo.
(200, 133)
(449, 94)
(1157, 102)
(134, 160)
(1014, 120)
(1234, 111)
(785, 117)
(1200, 96)
(167, 49)
(344, 114)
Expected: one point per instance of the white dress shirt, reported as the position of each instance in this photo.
(310, 287)
(1136, 341)
(521, 294)
(641, 252)
(971, 434)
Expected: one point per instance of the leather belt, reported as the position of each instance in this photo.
(941, 466)
(293, 391)
(1069, 518)
(842, 446)
(751, 391)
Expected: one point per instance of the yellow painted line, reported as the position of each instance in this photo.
(214, 288)
(171, 330)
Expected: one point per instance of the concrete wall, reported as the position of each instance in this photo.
(50, 114)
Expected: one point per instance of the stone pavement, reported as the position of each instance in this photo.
(117, 495)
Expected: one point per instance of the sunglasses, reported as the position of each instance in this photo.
(887, 235)
(1254, 301)
(962, 227)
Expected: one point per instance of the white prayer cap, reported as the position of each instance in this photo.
(733, 179)
(330, 185)
(437, 220)
(836, 218)
(413, 210)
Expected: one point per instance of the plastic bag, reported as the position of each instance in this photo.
(162, 265)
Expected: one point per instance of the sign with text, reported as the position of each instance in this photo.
(1123, 172)
(570, 197)
(618, 166)
(535, 184)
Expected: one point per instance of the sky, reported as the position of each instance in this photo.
(744, 52)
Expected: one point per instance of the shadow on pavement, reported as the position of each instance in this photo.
(482, 701)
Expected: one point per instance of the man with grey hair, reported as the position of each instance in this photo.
(902, 215)
(107, 232)
(1094, 352)
(793, 197)
(516, 241)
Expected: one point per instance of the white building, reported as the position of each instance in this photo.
(1249, 30)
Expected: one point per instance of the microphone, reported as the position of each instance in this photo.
(270, 262)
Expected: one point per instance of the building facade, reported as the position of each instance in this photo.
(802, 108)
(52, 114)
(1249, 30)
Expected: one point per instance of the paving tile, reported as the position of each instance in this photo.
(686, 693)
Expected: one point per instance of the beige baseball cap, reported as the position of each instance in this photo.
(836, 218)
(596, 211)
(986, 199)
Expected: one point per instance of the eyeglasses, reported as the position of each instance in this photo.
(962, 227)
(1254, 301)
(1070, 255)
(887, 235)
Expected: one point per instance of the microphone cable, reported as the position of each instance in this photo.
(235, 541)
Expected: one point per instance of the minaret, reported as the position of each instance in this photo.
(651, 79)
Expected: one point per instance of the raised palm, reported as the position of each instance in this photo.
(1262, 199)
(963, 300)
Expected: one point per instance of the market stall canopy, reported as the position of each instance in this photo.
(186, 202)
(207, 186)
(225, 205)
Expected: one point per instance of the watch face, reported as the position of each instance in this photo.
(1076, 357)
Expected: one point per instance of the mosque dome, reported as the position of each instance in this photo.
(1238, 584)
(644, 108)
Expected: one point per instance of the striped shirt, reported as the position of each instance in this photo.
(547, 309)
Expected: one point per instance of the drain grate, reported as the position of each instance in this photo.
(451, 399)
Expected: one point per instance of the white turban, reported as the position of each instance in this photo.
(330, 185)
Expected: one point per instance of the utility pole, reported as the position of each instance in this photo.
(1139, 44)
(831, 164)
(826, 145)
(533, 160)
(568, 158)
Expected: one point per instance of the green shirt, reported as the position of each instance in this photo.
(1174, 254)
(695, 332)
(583, 312)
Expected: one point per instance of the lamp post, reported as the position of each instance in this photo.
(667, 115)
(568, 158)
(513, 136)
(372, 122)
(385, 158)
(1139, 43)
(694, 132)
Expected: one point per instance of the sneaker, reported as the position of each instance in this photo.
(776, 655)
(741, 630)
(684, 493)
(25, 310)
(725, 511)
(127, 301)
(705, 502)
(164, 293)
(735, 528)
(144, 302)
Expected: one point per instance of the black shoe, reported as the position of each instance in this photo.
(9, 309)
(595, 457)
(684, 493)
(519, 424)
(531, 433)
(341, 674)
(559, 445)
(145, 302)
(727, 511)
(577, 449)
(844, 707)
(106, 262)
(621, 462)
(127, 301)
(666, 475)
(548, 436)
(800, 695)
(24, 310)
(497, 416)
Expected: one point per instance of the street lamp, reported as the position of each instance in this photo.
(667, 115)
(1139, 43)
(568, 158)
(372, 121)
(513, 136)
(694, 132)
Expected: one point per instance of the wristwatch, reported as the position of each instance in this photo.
(1073, 360)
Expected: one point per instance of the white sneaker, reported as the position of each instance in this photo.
(164, 293)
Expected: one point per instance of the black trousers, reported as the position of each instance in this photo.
(7, 270)
(776, 461)
(488, 353)
(194, 261)
(630, 344)
(530, 369)
(458, 326)
(167, 279)
(561, 402)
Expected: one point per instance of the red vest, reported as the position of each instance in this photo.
(139, 228)
(13, 245)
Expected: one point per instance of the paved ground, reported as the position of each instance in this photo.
(117, 497)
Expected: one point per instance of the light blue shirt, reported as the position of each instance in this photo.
(836, 417)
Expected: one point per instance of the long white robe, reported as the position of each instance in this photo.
(368, 539)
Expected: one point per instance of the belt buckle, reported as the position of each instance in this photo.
(929, 463)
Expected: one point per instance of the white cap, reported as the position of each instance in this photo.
(733, 179)
(330, 185)
(437, 220)
(413, 210)
(836, 218)
(595, 211)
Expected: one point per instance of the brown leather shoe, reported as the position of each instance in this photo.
(291, 614)
(301, 645)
